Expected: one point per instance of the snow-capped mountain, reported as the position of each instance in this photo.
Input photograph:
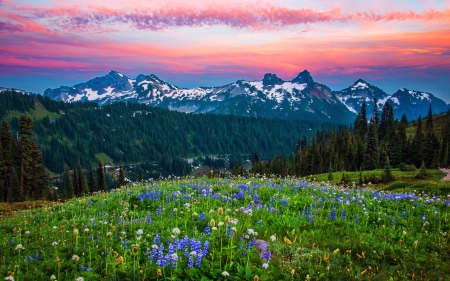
(415, 104)
(3, 89)
(362, 91)
(411, 103)
(300, 98)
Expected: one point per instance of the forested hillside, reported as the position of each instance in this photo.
(68, 134)
(380, 142)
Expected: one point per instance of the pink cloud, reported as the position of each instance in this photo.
(267, 17)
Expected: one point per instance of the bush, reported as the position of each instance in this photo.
(407, 168)
(423, 172)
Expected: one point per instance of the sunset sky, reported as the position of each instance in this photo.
(391, 44)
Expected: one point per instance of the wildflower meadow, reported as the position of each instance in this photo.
(231, 229)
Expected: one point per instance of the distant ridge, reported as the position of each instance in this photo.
(299, 99)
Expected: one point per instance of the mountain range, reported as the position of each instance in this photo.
(301, 98)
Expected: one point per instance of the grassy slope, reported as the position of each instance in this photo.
(38, 113)
(404, 181)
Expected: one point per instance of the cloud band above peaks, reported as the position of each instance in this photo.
(265, 18)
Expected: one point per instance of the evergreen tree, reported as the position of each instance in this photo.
(25, 147)
(371, 148)
(330, 172)
(422, 172)
(140, 175)
(68, 186)
(82, 181)
(91, 180)
(418, 144)
(361, 121)
(76, 183)
(387, 174)
(431, 142)
(121, 177)
(101, 182)
(376, 114)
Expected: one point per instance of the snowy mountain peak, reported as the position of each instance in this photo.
(272, 80)
(360, 84)
(304, 77)
(115, 73)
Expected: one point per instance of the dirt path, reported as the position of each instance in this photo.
(447, 177)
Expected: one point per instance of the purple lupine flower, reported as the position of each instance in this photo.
(284, 202)
(190, 262)
(266, 255)
(174, 258)
(343, 213)
(207, 230)
(206, 247)
(392, 222)
(311, 219)
(333, 214)
(157, 239)
(202, 217)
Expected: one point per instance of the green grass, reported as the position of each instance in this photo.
(276, 229)
(104, 158)
(39, 113)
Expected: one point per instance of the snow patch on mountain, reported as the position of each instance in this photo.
(360, 85)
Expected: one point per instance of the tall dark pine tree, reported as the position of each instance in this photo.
(431, 143)
(371, 149)
(418, 144)
(82, 180)
(68, 186)
(376, 114)
(76, 183)
(25, 146)
(140, 175)
(121, 177)
(402, 141)
(91, 180)
(101, 182)
(8, 172)
(387, 120)
(361, 122)
(39, 177)
(2, 176)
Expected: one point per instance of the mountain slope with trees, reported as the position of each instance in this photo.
(380, 142)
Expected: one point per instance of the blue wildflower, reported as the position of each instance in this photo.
(333, 214)
(207, 230)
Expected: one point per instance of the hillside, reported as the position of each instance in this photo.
(68, 133)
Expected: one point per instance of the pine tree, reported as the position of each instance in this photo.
(361, 121)
(91, 180)
(387, 174)
(82, 181)
(422, 172)
(76, 183)
(330, 172)
(371, 148)
(68, 186)
(140, 175)
(25, 147)
(121, 177)
(3, 169)
(101, 182)
(418, 144)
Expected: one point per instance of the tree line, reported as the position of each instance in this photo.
(366, 145)
(22, 171)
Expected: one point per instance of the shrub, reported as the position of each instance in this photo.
(407, 168)
(423, 172)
